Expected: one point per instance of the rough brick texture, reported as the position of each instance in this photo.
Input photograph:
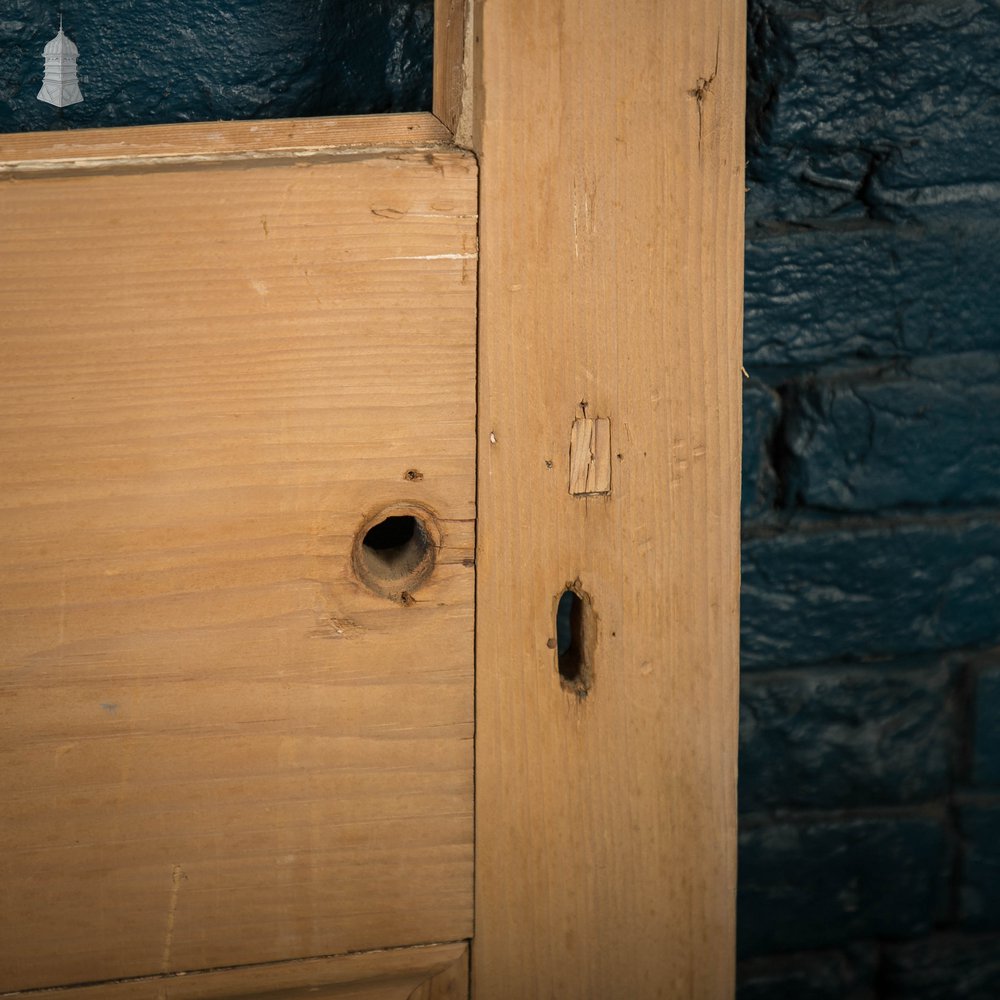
(921, 432)
(147, 61)
(871, 291)
(869, 589)
(979, 825)
(838, 737)
(948, 967)
(870, 717)
(986, 723)
(855, 100)
(825, 882)
(847, 974)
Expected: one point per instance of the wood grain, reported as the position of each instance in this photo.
(451, 983)
(217, 747)
(146, 146)
(450, 85)
(610, 137)
(392, 974)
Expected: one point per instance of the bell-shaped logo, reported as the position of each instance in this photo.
(59, 86)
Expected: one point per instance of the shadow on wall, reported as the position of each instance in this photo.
(146, 62)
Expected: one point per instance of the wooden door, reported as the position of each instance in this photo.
(237, 399)
(274, 399)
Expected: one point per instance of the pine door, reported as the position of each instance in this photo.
(237, 403)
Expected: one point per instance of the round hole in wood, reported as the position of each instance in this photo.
(394, 551)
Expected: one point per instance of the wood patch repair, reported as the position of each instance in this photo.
(590, 457)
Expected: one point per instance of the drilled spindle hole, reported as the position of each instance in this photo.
(393, 537)
(394, 553)
(574, 640)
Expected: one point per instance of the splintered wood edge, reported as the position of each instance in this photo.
(145, 146)
(590, 457)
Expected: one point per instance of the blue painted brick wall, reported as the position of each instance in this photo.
(846, 737)
(818, 589)
(841, 974)
(148, 62)
(946, 967)
(985, 722)
(979, 826)
(826, 881)
(870, 716)
(897, 434)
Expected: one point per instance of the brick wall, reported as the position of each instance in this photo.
(153, 61)
(870, 717)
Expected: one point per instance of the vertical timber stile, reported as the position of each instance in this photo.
(610, 142)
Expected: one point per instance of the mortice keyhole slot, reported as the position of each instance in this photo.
(573, 620)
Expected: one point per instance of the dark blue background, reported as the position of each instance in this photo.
(870, 715)
(151, 61)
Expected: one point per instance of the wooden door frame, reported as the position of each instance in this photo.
(605, 802)
(611, 188)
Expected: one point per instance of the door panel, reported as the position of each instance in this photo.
(219, 745)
